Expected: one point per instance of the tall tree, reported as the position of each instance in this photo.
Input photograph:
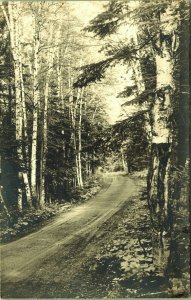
(50, 58)
(11, 13)
(154, 35)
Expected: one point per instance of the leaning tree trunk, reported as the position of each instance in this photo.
(5, 210)
(162, 127)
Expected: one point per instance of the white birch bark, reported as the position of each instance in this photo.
(80, 140)
(35, 110)
(166, 47)
(124, 164)
(72, 110)
(13, 23)
(25, 155)
(60, 55)
(165, 62)
(50, 58)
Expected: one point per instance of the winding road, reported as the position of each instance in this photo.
(52, 256)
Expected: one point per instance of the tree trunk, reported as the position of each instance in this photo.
(60, 55)
(76, 134)
(50, 58)
(35, 114)
(162, 110)
(73, 128)
(124, 164)
(13, 23)
(80, 140)
(2, 202)
(25, 149)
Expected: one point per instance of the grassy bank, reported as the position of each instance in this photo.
(30, 220)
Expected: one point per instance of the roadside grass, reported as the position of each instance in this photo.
(140, 174)
(30, 220)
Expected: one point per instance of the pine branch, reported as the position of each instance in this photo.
(107, 22)
(92, 73)
(141, 98)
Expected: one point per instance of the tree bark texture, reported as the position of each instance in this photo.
(35, 111)
(13, 23)
(162, 127)
(50, 58)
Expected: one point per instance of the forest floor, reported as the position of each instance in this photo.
(103, 248)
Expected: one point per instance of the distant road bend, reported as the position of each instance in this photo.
(32, 256)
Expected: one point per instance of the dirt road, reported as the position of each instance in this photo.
(43, 263)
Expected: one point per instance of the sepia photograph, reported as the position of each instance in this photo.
(94, 149)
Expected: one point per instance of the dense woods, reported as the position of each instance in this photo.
(51, 132)
(153, 48)
(55, 129)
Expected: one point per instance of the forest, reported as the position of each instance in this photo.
(58, 69)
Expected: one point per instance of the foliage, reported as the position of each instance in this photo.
(29, 221)
(159, 35)
(69, 130)
(92, 73)
(107, 22)
(130, 135)
(32, 219)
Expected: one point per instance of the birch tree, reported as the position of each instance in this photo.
(50, 57)
(12, 16)
(158, 35)
(79, 158)
(51, 115)
(166, 47)
(36, 11)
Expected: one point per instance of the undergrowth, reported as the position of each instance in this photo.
(30, 220)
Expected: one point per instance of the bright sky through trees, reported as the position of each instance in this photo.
(92, 9)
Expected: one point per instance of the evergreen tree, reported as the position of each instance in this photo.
(152, 49)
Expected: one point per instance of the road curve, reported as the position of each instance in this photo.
(32, 256)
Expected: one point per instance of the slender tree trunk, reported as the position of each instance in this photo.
(76, 134)
(2, 202)
(13, 23)
(35, 113)
(73, 127)
(44, 144)
(59, 74)
(80, 140)
(13, 10)
(124, 164)
(24, 115)
(25, 150)
(79, 102)
(18, 113)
